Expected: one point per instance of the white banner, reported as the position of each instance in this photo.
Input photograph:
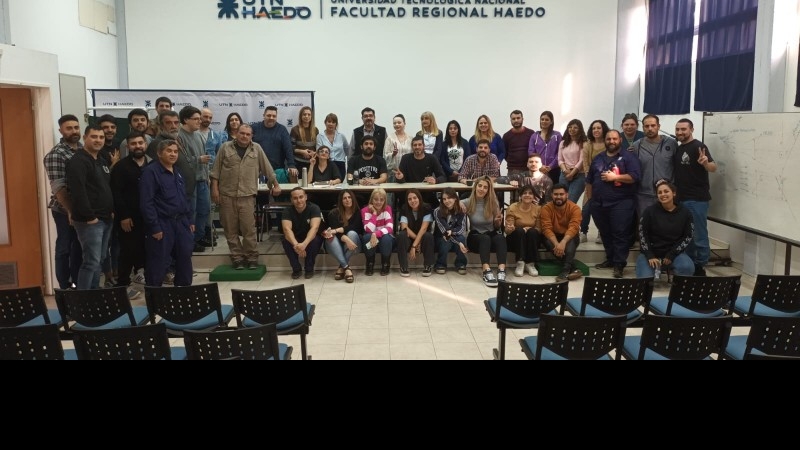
(250, 105)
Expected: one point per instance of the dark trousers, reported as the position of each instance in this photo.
(69, 254)
(385, 246)
(131, 252)
(404, 245)
(177, 244)
(311, 254)
(568, 260)
(525, 244)
(486, 244)
(615, 222)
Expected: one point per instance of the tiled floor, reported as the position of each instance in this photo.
(395, 318)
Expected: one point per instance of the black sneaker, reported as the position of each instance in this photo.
(309, 275)
(563, 276)
(199, 248)
(441, 270)
(618, 272)
(575, 275)
(238, 265)
(404, 273)
(296, 275)
(604, 265)
(427, 271)
(385, 269)
(252, 265)
(700, 271)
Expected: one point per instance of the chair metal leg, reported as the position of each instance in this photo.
(303, 348)
(500, 353)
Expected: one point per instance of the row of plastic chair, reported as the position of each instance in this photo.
(520, 306)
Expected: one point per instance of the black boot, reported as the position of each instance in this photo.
(385, 266)
(370, 266)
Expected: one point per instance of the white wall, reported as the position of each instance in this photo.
(456, 68)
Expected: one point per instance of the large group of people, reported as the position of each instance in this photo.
(136, 210)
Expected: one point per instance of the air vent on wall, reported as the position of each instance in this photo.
(8, 276)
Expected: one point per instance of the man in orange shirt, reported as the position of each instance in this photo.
(561, 223)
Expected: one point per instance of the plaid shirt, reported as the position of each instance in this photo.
(472, 169)
(55, 163)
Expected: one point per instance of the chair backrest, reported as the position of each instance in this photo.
(531, 300)
(704, 295)
(779, 292)
(94, 308)
(19, 306)
(777, 336)
(617, 297)
(255, 343)
(581, 338)
(685, 338)
(184, 304)
(271, 306)
(31, 343)
(142, 343)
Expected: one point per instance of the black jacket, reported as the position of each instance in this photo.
(125, 188)
(380, 140)
(89, 182)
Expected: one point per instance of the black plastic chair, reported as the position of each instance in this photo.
(698, 297)
(188, 308)
(286, 307)
(143, 343)
(31, 343)
(679, 338)
(519, 306)
(606, 297)
(98, 309)
(26, 307)
(576, 338)
(773, 295)
(769, 336)
(255, 343)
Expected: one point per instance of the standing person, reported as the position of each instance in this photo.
(457, 149)
(415, 237)
(522, 232)
(193, 164)
(666, 231)
(163, 104)
(378, 220)
(277, 144)
(69, 255)
(234, 185)
(561, 221)
(432, 137)
(451, 224)
(595, 146)
(343, 238)
(398, 144)
(542, 184)
(212, 140)
(613, 176)
(304, 138)
(486, 233)
(169, 124)
(693, 162)
(369, 128)
(302, 221)
(127, 213)
(167, 218)
(630, 131)
(232, 124)
(482, 164)
(89, 182)
(517, 140)
(335, 141)
(570, 159)
(484, 131)
(656, 155)
(138, 120)
(546, 143)
(110, 152)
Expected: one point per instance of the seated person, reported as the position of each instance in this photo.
(343, 238)
(666, 230)
(420, 167)
(561, 224)
(541, 183)
(481, 164)
(367, 167)
(378, 220)
(301, 239)
(486, 233)
(522, 232)
(323, 171)
(451, 224)
(415, 235)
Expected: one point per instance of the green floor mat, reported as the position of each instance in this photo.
(228, 273)
(551, 268)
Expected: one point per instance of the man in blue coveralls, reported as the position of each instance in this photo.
(167, 217)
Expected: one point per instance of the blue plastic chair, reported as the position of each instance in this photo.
(255, 343)
(576, 338)
(679, 338)
(188, 308)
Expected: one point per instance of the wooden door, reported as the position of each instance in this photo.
(22, 250)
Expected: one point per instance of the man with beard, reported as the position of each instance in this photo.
(128, 217)
(611, 185)
(370, 167)
(656, 153)
(68, 248)
(277, 144)
(110, 152)
(561, 223)
(420, 167)
(212, 140)
(517, 141)
(378, 133)
(169, 123)
(138, 121)
(154, 127)
(484, 163)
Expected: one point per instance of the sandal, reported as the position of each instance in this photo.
(348, 275)
(339, 274)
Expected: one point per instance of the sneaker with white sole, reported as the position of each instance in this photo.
(501, 275)
(139, 278)
(133, 294)
(427, 271)
(599, 240)
(489, 279)
(519, 272)
(584, 238)
(531, 269)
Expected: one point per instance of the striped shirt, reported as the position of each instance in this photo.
(380, 225)
(55, 164)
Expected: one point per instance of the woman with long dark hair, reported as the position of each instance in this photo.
(666, 230)
(415, 237)
(546, 143)
(570, 159)
(594, 147)
(232, 124)
(457, 150)
(343, 237)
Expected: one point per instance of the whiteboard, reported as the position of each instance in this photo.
(757, 185)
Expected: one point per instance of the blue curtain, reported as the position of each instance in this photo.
(726, 55)
(668, 75)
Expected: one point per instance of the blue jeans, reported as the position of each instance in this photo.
(587, 217)
(202, 210)
(576, 186)
(69, 255)
(682, 265)
(94, 242)
(340, 252)
(445, 247)
(385, 246)
(700, 247)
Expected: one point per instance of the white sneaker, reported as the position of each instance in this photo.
(584, 238)
(139, 278)
(531, 268)
(599, 240)
(133, 294)
(520, 270)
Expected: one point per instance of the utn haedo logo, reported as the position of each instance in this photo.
(261, 9)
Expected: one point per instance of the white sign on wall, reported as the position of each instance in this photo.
(250, 105)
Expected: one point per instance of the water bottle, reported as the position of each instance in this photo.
(304, 181)
(355, 177)
(350, 179)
